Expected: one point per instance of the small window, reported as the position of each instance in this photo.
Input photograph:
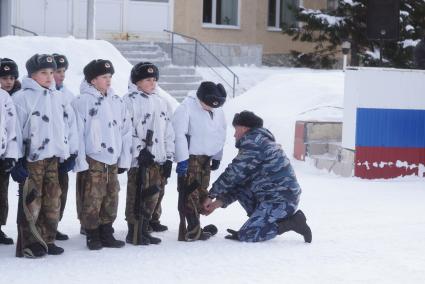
(282, 12)
(221, 12)
(332, 5)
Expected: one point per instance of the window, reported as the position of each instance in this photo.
(332, 5)
(221, 12)
(282, 12)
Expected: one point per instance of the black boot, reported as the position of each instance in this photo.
(4, 239)
(34, 250)
(130, 234)
(157, 226)
(61, 236)
(53, 249)
(93, 239)
(107, 237)
(147, 235)
(82, 231)
(296, 223)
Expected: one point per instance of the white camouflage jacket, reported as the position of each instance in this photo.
(207, 130)
(104, 128)
(9, 146)
(47, 122)
(150, 112)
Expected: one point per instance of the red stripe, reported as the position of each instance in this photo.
(299, 142)
(388, 162)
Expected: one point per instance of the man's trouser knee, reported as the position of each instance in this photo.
(261, 225)
(43, 194)
(99, 194)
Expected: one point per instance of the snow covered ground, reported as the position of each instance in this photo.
(363, 231)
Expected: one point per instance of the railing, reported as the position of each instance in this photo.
(199, 44)
(22, 29)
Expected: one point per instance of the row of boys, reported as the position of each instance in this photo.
(46, 132)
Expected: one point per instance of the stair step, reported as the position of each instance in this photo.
(136, 47)
(180, 78)
(179, 95)
(176, 86)
(138, 53)
(160, 63)
(177, 71)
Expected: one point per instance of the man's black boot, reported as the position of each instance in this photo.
(93, 239)
(107, 237)
(34, 250)
(61, 236)
(130, 233)
(147, 235)
(53, 249)
(296, 223)
(157, 226)
(4, 239)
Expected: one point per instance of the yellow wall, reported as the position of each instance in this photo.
(253, 26)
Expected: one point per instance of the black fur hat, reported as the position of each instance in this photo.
(61, 61)
(40, 61)
(247, 119)
(143, 70)
(211, 94)
(96, 68)
(8, 67)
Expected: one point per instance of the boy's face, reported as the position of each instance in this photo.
(59, 75)
(102, 83)
(44, 77)
(147, 85)
(7, 82)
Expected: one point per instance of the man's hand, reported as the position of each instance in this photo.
(209, 205)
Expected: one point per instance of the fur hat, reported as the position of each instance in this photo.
(40, 61)
(247, 119)
(96, 68)
(143, 70)
(211, 94)
(61, 61)
(8, 67)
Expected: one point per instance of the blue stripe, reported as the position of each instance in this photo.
(390, 128)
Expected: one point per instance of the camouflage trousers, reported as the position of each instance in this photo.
(263, 216)
(150, 204)
(97, 192)
(4, 204)
(63, 183)
(199, 169)
(43, 194)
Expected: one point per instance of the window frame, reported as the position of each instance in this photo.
(213, 24)
(276, 27)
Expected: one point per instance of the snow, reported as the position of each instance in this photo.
(363, 231)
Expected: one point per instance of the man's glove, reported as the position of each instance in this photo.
(166, 168)
(145, 158)
(7, 165)
(182, 167)
(121, 170)
(19, 172)
(234, 235)
(67, 165)
(215, 164)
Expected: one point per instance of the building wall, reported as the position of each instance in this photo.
(252, 26)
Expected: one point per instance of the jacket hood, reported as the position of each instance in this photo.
(86, 88)
(29, 83)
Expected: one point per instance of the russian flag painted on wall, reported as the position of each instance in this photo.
(384, 121)
(389, 142)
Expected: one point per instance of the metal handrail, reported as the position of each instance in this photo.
(197, 42)
(22, 29)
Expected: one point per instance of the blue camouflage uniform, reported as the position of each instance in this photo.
(261, 178)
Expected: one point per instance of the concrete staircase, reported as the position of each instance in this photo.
(176, 80)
